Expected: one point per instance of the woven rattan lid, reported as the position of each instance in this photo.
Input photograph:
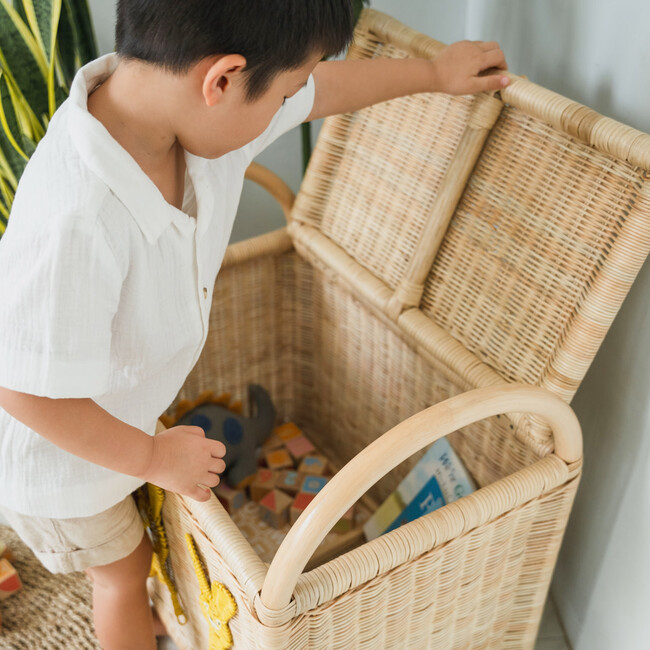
(510, 227)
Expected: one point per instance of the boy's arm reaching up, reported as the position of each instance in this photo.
(346, 86)
(178, 459)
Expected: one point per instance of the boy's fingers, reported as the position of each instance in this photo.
(217, 466)
(196, 431)
(213, 480)
(494, 59)
(201, 493)
(491, 82)
(486, 47)
(218, 449)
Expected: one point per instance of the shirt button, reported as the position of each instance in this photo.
(205, 292)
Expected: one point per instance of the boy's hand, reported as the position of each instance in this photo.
(460, 69)
(183, 460)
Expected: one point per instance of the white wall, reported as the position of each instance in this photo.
(596, 52)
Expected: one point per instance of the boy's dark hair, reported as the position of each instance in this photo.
(272, 35)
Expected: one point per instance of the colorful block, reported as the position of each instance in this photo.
(279, 459)
(289, 481)
(299, 447)
(345, 523)
(9, 580)
(313, 464)
(264, 482)
(272, 442)
(299, 504)
(274, 508)
(313, 484)
(287, 431)
(5, 552)
(230, 498)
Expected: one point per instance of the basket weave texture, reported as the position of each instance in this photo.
(438, 245)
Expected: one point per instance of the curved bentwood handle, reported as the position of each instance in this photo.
(395, 446)
(274, 185)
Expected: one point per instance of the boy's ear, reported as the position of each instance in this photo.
(220, 75)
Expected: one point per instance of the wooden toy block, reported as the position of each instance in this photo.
(271, 443)
(264, 482)
(259, 455)
(313, 464)
(345, 523)
(313, 484)
(274, 508)
(279, 459)
(230, 498)
(5, 552)
(9, 580)
(299, 447)
(287, 431)
(299, 504)
(289, 481)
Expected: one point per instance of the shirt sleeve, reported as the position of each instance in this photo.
(293, 112)
(59, 291)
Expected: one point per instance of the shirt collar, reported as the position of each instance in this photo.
(112, 163)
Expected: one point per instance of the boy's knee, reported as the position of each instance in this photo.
(129, 572)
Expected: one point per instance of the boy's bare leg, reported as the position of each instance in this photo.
(123, 617)
(159, 628)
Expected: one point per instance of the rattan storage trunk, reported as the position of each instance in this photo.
(451, 266)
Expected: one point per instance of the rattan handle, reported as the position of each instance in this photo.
(395, 446)
(274, 185)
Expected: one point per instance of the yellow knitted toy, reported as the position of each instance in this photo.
(217, 603)
(150, 500)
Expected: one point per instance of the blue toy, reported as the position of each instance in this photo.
(223, 421)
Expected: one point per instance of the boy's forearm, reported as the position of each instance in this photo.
(81, 427)
(465, 67)
(346, 86)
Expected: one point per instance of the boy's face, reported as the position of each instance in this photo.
(210, 131)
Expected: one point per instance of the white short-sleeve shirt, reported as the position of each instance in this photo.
(105, 290)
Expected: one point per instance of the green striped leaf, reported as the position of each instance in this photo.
(11, 137)
(22, 60)
(29, 147)
(20, 10)
(5, 170)
(66, 44)
(6, 192)
(4, 217)
(85, 42)
(43, 18)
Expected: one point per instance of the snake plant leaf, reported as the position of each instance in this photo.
(66, 43)
(29, 147)
(20, 10)
(11, 137)
(4, 216)
(357, 7)
(22, 60)
(6, 192)
(76, 39)
(43, 18)
(85, 41)
(60, 95)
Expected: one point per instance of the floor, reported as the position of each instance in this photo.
(551, 635)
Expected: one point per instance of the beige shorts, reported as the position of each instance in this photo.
(76, 544)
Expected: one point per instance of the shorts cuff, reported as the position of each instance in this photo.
(115, 549)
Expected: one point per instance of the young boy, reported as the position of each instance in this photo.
(117, 233)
